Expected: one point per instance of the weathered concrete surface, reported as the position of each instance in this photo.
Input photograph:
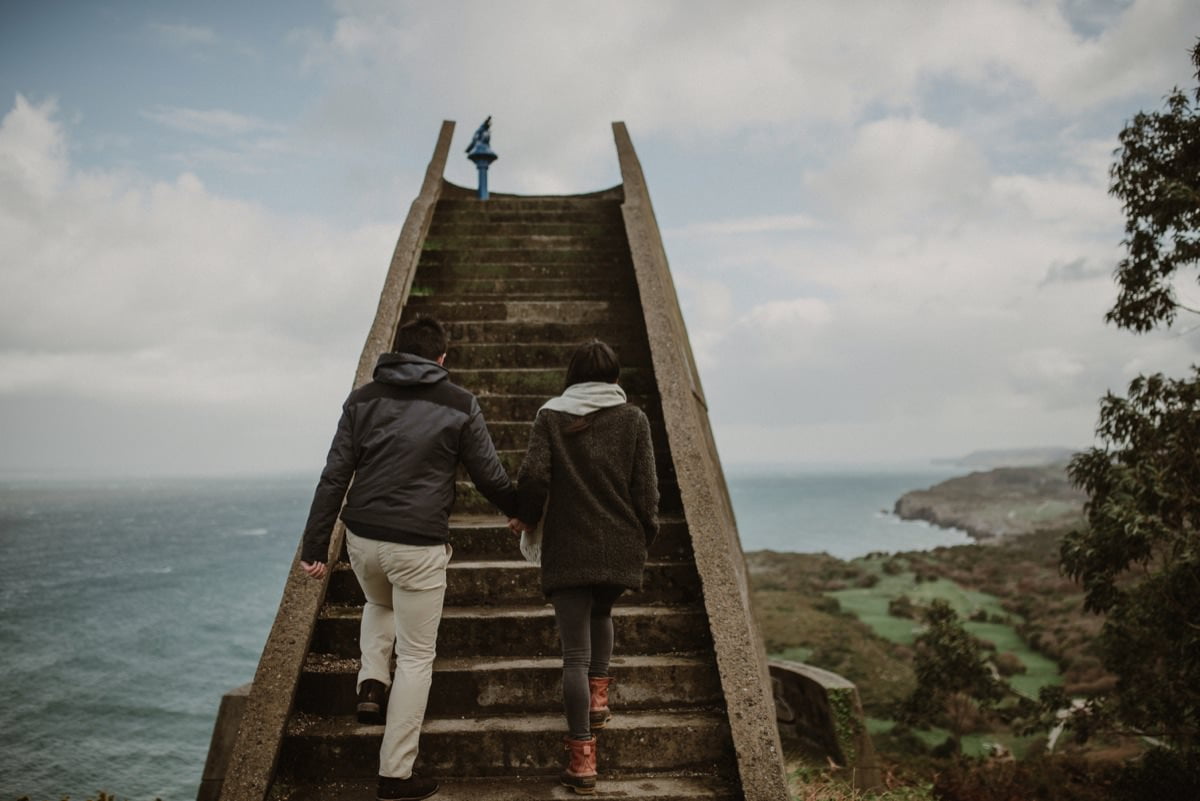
(740, 656)
(471, 686)
(524, 630)
(323, 748)
(823, 709)
(540, 788)
(229, 717)
(256, 748)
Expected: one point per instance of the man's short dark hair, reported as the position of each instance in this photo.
(424, 337)
(593, 361)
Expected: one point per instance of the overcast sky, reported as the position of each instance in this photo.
(888, 222)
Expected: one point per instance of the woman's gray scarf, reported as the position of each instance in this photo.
(588, 397)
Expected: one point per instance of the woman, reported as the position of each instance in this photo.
(589, 469)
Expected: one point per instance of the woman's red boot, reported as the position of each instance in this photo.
(580, 774)
(598, 710)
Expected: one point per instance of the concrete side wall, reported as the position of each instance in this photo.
(822, 709)
(229, 717)
(741, 659)
(251, 765)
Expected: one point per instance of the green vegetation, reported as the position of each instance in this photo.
(955, 684)
(1138, 559)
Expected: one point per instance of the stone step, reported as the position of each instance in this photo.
(486, 537)
(464, 225)
(511, 460)
(528, 311)
(458, 240)
(470, 687)
(619, 334)
(468, 500)
(505, 355)
(550, 206)
(505, 288)
(515, 435)
(499, 583)
(611, 255)
(650, 787)
(327, 748)
(520, 268)
(515, 408)
(547, 382)
(525, 631)
(514, 297)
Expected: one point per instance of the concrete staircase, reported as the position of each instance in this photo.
(520, 282)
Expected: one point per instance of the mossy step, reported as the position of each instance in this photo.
(620, 334)
(558, 287)
(514, 269)
(528, 204)
(529, 311)
(511, 460)
(469, 687)
(515, 435)
(643, 786)
(525, 631)
(617, 255)
(610, 225)
(451, 240)
(444, 215)
(486, 537)
(326, 748)
(536, 381)
(517, 408)
(469, 500)
(492, 582)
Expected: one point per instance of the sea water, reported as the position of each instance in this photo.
(127, 608)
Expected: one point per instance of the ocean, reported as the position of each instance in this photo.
(128, 607)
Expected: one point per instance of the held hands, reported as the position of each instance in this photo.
(314, 569)
(516, 526)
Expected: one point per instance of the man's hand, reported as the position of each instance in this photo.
(516, 526)
(314, 569)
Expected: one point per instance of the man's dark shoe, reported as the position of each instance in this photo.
(409, 789)
(372, 701)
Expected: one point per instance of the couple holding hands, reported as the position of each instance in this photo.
(587, 489)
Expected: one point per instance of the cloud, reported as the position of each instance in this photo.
(904, 173)
(163, 294)
(208, 122)
(775, 223)
(32, 156)
(1071, 271)
(183, 35)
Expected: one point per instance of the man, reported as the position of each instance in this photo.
(401, 438)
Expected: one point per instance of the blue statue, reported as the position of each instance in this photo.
(480, 152)
(481, 141)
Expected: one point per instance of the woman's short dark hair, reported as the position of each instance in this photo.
(424, 337)
(593, 361)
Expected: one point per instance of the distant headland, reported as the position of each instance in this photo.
(1023, 491)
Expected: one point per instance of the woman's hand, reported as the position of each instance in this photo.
(516, 526)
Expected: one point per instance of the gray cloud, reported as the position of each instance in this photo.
(1073, 271)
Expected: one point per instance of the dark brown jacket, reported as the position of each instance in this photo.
(603, 491)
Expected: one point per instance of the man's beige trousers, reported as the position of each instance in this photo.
(405, 586)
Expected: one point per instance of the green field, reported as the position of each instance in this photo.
(870, 605)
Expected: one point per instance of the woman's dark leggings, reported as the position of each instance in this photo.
(584, 617)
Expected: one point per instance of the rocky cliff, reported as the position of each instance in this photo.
(998, 503)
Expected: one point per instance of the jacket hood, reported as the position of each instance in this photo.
(406, 369)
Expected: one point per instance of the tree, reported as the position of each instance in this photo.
(953, 678)
(1139, 558)
(1157, 178)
